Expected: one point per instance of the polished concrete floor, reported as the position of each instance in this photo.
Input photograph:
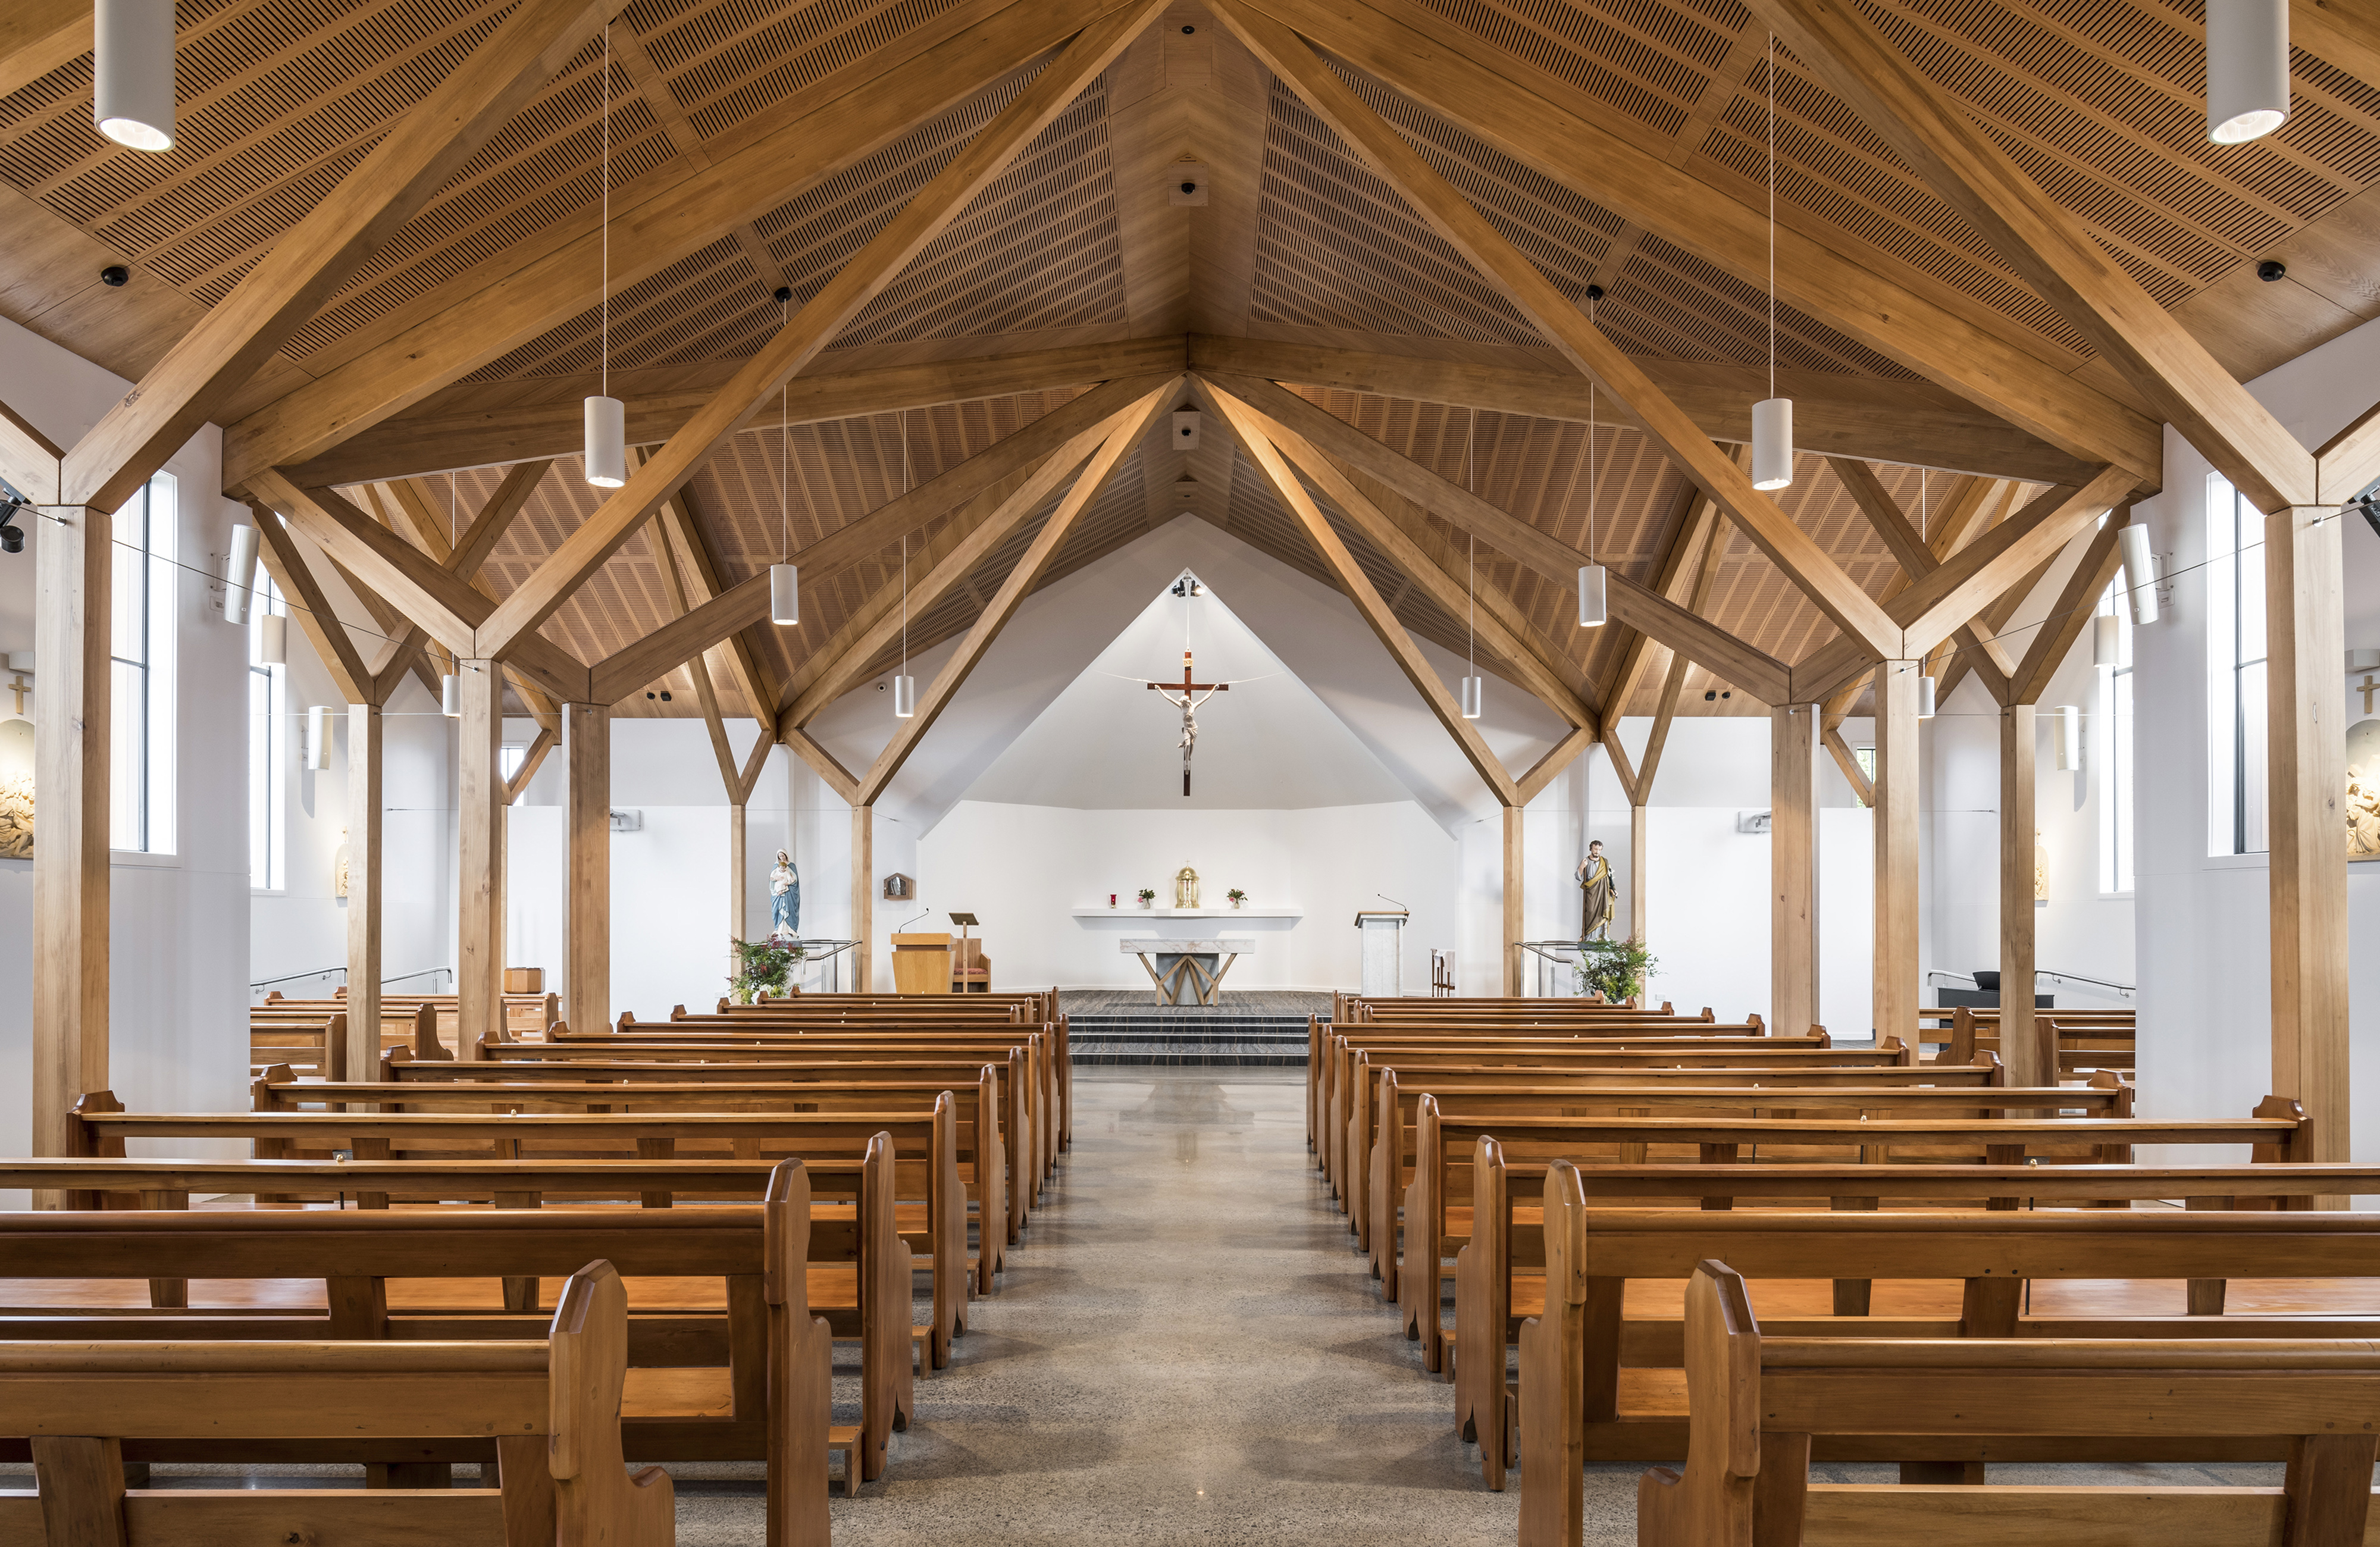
(1184, 1349)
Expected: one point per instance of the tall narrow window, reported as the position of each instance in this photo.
(140, 795)
(268, 750)
(2115, 760)
(2235, 636)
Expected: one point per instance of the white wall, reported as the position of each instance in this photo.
(178, 922)
(2204, 949)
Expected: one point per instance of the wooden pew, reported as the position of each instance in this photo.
(1438, 1172)
(765, 1068)
(742, 1378)
(1350, 1007)
(1501, 1263)
(1051, 1088)
(1331, 1066)
(2085, 1043)
(101, 1128)
(1449, 1070)
(551, 1408)
(1593, 1252)
(981, 1150)
(1392, 1161)
(1760, 1400)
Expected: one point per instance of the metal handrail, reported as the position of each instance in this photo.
(341, 970)
(2127, 990)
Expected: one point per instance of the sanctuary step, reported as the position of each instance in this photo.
(1255, 1026)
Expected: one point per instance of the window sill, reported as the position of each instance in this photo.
(2119, 897)
(138, 859)
(2239, 862)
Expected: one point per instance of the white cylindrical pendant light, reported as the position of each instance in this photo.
(2247, 68)
(1926, 697)
(318, 737)
(2140, 572)
(239, 575)
(132, 83)
(2107, 640)
(1474, 695)
(784, 594)
(2067, 735)
(607, 443)
(905, 696)
(1590, 611)
(273, 639)
(1772, 443)
(450, 696)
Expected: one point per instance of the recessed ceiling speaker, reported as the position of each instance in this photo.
(1186, 183)
(1185, 429)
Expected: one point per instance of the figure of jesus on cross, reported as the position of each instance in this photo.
(1193, 694)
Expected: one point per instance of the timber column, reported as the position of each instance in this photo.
(863, 890)
(2027, 1044)
(2305, 728)
(1896, 966)
(1793, 752)
(72, 613)
(1516, 975)
(366, 762)
(1638, 883)
(587, 823)
(480, 860)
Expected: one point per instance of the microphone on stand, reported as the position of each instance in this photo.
(1385, 897)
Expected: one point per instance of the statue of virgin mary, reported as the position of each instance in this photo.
(784, 900)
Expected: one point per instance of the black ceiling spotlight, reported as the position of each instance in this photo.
(1594, 292)
(1188, 31)
(12, 536)
(2272, 269)
(115, 275)
(1710, 695)
(2367, 502)
(784, 293)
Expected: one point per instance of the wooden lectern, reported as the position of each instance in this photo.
(921, 963)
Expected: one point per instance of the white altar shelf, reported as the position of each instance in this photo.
(1125, 910)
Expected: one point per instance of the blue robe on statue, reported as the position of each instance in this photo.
(785, 905)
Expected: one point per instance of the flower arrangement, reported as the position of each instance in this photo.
(763, 965)
(1237, 896)
(1147, 894)
(1614, 968)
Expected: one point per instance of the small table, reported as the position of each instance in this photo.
(1195, 965)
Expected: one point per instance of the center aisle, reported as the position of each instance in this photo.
(1183, 1348)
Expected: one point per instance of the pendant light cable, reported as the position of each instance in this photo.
(1591, 470)
(905, 475)
(607, 209)
(785, 454)
(1471, 485)
(1772, 214)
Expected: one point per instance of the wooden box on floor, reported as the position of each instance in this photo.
(921, 963)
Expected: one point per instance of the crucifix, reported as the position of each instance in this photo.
(1193, 694)
(2367, 686)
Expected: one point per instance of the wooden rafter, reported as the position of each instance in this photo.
(1673, 686)
(1929, 129)
(812, 328)
(2077, 599)
(531, 761)
(705, 693)
(315, 615)
(952, 568)
(1563, 133)
(747, 603)
(312, 259)
(884, 94)
(39, 36)
(1410, 520)
(29, 459)
(1022, 578)
(1358, 586)
(1419, 568)
(1848, 760)
(412, 501)
(423, 589)
(1675, 573)
(1842, 416)
(1499, 263)
(489, 433)
(681, 519)
(1722, 653)
(1909, 549)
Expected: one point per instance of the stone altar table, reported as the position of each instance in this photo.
(1197, 965)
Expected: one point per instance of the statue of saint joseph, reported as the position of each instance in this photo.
(1600, 896)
